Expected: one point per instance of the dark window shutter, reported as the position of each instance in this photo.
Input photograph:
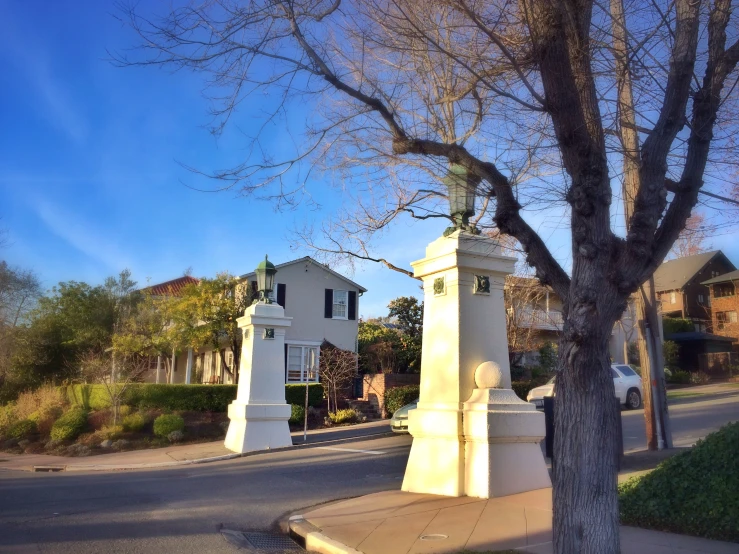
(281, 293)
(328, 307)
(254, 290)
(285, 363)
(352, 309)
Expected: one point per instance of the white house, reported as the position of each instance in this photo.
(324, 306)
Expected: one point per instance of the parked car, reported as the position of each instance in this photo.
(399, 421)
(625, 380)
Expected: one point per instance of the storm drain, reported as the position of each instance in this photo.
(261, 542)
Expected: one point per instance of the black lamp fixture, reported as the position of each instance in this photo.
(462, 187)
(265, 279)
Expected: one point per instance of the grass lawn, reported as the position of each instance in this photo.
(673, 394)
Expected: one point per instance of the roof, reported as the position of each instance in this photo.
(173, 287)
(312, 261)
(675, 274)
(694, 335)
(731, 276)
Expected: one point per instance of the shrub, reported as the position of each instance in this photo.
(398, 397)
(167, 423)
(198, 398)
(680, 377)
(45, 418)
(21, 429)
(692, 493)
(7, 417)
(346, 416)
(672, 325)
(43, 399)
(70, 425)
(176, 436)
(134, 422)
(124, 410)
(699, 378)
(297, 414)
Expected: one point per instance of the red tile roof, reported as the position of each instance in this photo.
(173, 287)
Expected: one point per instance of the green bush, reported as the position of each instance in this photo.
(680, 377)
(70, 425)
(7, 417)
(21, 429)
(672, 325)
(692, 493)
(124, 410)
(346, 416)
(398, 397)
(167, 423)
(134, 422)
(297, 414)
(200, 398)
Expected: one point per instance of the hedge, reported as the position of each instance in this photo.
(202, 398)
(693, 493)
(398, 397)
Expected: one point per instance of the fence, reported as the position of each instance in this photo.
(719, 364)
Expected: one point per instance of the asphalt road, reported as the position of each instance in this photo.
(182, 509)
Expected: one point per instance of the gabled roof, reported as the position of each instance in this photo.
(725, 278)
(173, 287)
(676, 273)
(308, 259)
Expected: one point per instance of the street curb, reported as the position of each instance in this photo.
(311, 538)
(177, 463)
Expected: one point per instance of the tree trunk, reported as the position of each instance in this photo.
(584, 466)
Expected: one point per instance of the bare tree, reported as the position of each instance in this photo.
(519, 94)
(692, 239)
(522, 296)
(338, 367)
(115, 373)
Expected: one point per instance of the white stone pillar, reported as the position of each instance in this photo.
(259, 415)
(464, 325)
(159, 367)
(188, 371)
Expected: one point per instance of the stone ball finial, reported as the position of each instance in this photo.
(488, 375)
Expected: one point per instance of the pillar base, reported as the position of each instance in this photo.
(502, 436)
(436, 461)
(257, 427)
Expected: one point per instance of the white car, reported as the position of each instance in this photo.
(625, 380)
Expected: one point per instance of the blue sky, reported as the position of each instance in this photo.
(89, 176)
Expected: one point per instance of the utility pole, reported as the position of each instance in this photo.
(647, 318)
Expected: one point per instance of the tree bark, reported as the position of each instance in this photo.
(584, 466)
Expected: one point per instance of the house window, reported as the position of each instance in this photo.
(153, 363)
(723, 289)
(340, 304)
(302, 364)
(722, 318)
(673, 298)
(701, 299)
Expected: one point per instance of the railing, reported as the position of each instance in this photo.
(539, 319)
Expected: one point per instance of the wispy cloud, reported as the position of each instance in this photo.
(22, 49)
(82, 236)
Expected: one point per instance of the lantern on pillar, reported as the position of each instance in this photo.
(265, 279)
(462, 187)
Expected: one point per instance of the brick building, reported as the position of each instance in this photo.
(725, 304)
(680, 285)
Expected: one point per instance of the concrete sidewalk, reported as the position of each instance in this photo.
(185, 454)
(396, 522)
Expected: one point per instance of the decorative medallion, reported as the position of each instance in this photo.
(269, 333)
(439, 286)
(482, 284)
(246, 333)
